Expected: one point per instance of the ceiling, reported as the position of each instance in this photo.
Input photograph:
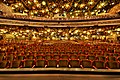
(61, 8)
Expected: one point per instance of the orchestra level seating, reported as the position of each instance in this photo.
(59, 55)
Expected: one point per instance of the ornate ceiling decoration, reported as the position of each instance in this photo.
(115, 9)
(61, 8)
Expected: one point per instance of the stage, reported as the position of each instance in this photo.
(57, 77)
(58, 69)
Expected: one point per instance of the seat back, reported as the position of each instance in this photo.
(3, 64)
(113, 64)
(52, 63)
(74, 63)
(63, 63)
(40, 63)
(28, 63)
(86, 64)
(99, 64)
(15, 64)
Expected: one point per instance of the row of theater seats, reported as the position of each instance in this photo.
(78, 61)
(62, 63)
(12, 57)
(103, 56)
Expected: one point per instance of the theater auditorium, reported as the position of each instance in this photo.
(59, 39)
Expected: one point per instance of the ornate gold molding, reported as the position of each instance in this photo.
(115, 9)
(60, 24)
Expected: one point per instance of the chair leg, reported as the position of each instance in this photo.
(81, 66)
(33, 66)
(94, 67)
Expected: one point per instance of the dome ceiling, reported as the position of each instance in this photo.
(61, 8)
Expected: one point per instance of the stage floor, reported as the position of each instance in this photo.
(57, 77)
(59, 69)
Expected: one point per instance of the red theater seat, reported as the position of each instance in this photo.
(73, 57)
(112, 58)
(91, 57)
(116, 54)
(10, 57)
(40, 63)
(15, 64)
(63, 63)
(28, 63)
(101, 58)
(56, 57)
(20, 57)
(42, 53)
(40, 56)
(3, 64)
(1, 56)
(47, 57)
(48, 53)
(62, 53)
(55, 53)
(65, 56)
(113, 64)
(30, 57)
(74, 63)
(86, 64)
(118, 58)
(107, 54)
(99, 64)
(68, 52)
(52, 63)
(82, 57)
